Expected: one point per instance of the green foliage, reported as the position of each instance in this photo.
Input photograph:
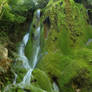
(67, 59)
(36, 89)
(7, 14)
(68, 56)
(16, 10)
(67, 68)
(41, 80)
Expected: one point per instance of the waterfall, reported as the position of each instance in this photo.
(36, 46)
(25, 61)
(55, 87)
(22, 56)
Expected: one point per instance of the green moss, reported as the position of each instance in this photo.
(65, 25)
(66, 68)
(20, 90)
(67, 58)
(35, 89)
(19, 69)
(41, 80)
(27, 50)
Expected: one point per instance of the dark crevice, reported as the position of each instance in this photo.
(47, 22)
(27, 90)
(61, 3)
(77, 1)
(90, 17)
(47, 25)
(34, 80)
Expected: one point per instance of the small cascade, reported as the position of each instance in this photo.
(24, 59)
(55, 87)
(36, 46)
(26, 79)
(34, 58)
(22, 56)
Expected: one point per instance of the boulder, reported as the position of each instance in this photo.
(4, 59)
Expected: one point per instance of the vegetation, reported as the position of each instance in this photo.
(66, 44)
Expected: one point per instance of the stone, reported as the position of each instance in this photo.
(3, 52)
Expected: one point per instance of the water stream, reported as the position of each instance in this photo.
(36, 46)
(25, 61)
(22, 56)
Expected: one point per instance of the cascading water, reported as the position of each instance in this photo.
(22, 56)
(55, 87)
(36, 46)
(25, 60)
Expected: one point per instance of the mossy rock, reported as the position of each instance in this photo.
(36, 89)
(41, 80)
(64, 69)
(19, 70)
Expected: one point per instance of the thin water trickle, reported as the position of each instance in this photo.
(36, 45)
(14, 82)
(22, 56)
(89, 41)
(55, 87)
(25, 39)
(26, 79)
(38, 14)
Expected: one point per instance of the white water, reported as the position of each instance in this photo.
(24, 59)
(89, 41)
(36, 45)
(55, 87)
(14, 82)
(22, 56)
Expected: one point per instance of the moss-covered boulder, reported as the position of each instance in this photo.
(41, 80)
